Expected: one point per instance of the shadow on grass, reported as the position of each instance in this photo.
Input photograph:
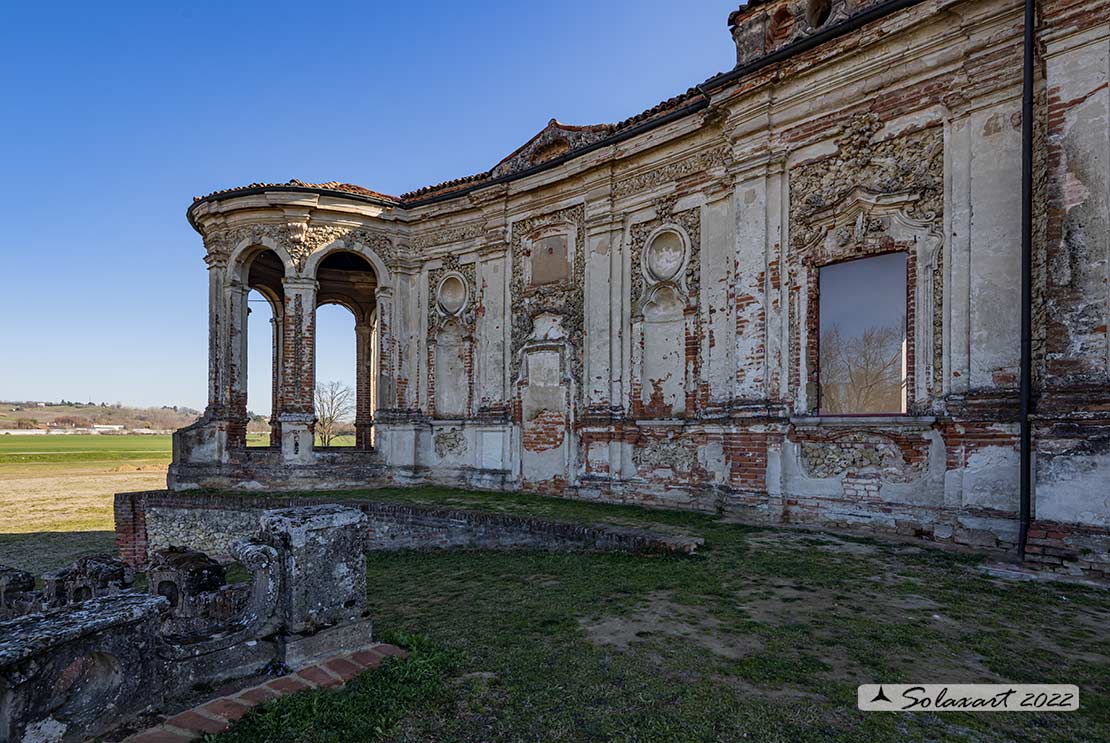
(41, 552)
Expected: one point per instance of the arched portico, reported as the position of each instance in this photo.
(295, 276)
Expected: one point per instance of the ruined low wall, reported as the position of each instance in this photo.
(150, 521)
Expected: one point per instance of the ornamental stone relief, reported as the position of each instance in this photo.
(718, 156)
(555, 140)
(449, 443)
(451, 291)
(563, 299)
(870, 194)
(908, 163)
(220, 242)
(858, 452)
(318, 236)
(447, 236)
(298, 239)
(689, 222)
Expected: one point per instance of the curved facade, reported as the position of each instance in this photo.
(643, 312)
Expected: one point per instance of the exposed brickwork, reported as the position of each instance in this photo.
(746, 453)
(544, 432)
(131, 539)
(842, 164)
(1063, 548)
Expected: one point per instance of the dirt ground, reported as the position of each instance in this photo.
(51, 515)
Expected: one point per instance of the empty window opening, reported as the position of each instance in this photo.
(862, 364)
(346, 357)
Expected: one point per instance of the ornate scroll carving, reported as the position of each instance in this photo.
(912, 163)
(449, 442)
(698, 163)
(447, 236)
(299, 239)
(689, 221)
(321, 235)
(870, 198)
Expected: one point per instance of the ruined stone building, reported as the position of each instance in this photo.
(792, 294)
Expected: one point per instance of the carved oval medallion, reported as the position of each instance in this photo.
(452, 295)
(665, 256)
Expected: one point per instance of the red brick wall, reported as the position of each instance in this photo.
(131, 541)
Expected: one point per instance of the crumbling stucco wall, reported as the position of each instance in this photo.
(639, 322)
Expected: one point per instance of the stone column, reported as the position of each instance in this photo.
(276, 402)
(364, 375)
(217, 342)
(385, 384)
(602, 234)
(298, 370)
(236, 301)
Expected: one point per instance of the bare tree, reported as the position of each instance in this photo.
(335, 403)
(863, 373)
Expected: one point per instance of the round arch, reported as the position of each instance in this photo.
(342, 245)
(338, 302)
(247, 250)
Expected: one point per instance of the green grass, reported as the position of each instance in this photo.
(363, 710)
(762, 637)
(338, 441)
(83, 448)
(56, 493)
(263, 440)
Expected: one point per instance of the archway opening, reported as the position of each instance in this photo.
(262, 345)
(346, 361)
(336, 371)
(261, 357)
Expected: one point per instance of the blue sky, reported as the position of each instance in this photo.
(117, 114)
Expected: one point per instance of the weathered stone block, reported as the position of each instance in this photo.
(89, 577)
(323, 564)
(73, 672)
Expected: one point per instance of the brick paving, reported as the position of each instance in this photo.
(216, 715)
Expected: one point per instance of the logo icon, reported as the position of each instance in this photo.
(881, 697)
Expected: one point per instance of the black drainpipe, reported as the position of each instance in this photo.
(1026, 278)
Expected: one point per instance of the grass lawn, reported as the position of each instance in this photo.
(84, 449)
(56, 493)
(763, 637)
(263, 440)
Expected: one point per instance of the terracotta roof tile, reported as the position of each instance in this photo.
(660, 109)
(328, 186)
(452, 185)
